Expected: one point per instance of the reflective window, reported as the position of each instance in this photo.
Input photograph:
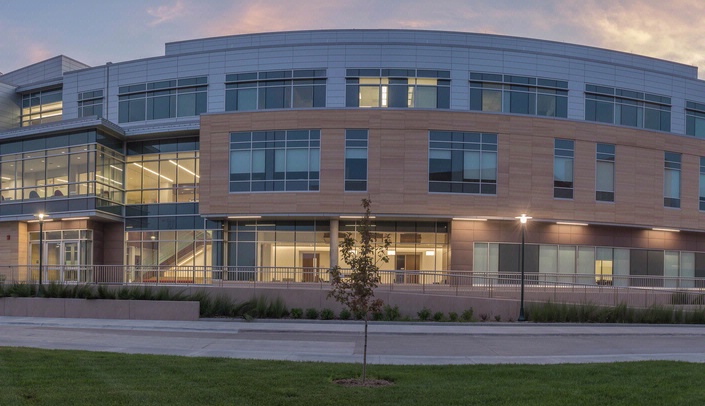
(462, 162)
(695, 119)
(399, 88)
(518, 95)
(672, 179)
(355, 160)
(90, 103)
(265, 161)
(604, 173)
(162, 177)
(303, 88)
(41, 107)
(60, 173)
(626, 107)
(563, 153)
(164, 99)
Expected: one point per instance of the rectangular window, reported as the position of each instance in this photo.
(90, 103)
(303, 88)
(41, 107)
(355, 160)
(164, 99)
(398, 88)
(518, 95)
(695, 119)
(604, 173)
(266, 161)
(627, 107)
(702, 183)
(462, 162)
(563, 154)
(672, 179)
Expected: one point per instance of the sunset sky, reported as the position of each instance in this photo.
(95, 32)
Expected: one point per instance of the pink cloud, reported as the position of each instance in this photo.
(166, 13)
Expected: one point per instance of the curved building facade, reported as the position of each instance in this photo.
(254, 151)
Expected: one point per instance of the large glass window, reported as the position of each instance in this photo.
(672, 179)
(41, 107)
(301, 88)
(90, 103)
(518, 95)
(76, 165)
(564, 151)
(604, 173)
(165, 171)
(462, 162)
(399, 88)
(355, 160)
(265, 161)
(164, 99)
(695, 119)
(627, 107)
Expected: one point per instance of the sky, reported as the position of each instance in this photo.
(95, 32)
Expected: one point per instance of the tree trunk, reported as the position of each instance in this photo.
(364, 353)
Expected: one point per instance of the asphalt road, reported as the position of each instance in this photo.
(389, 343)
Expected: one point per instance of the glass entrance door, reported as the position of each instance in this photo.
(64, 259)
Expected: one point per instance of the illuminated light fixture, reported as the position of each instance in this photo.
(61, 180)
(5, 178)
(570, 223)
(108, 179)
(523, 218)
(151, 171)
(186, 170)
(75, 218)
(244, 217)
(354, 217)
(391, 252)
(115, 167)
(260, 225)
(430, 253)
(469, 219)
(45, 220)
(670, 230)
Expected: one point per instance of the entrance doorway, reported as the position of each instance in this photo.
(310, 261)
(67, 255)
(406, 263)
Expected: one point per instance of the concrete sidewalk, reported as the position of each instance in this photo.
(389, 343)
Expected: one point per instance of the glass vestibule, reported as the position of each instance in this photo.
(67, 255)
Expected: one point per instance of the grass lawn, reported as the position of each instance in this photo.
(46, 377)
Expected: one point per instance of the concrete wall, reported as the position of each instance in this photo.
(99, 309)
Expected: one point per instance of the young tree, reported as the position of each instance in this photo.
(356, 288)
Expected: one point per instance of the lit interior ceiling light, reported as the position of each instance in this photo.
(115, 167)
(186, 170)
(151, 171)
(671, 230)
(570, 223)
(430, 253)
(108, 179)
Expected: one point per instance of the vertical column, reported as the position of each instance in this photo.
(333, 242)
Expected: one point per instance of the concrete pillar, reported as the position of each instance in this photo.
(333, 242)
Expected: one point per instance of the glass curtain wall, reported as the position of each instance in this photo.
(163, 178)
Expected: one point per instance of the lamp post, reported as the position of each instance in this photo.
(522, 219)
(41, 216)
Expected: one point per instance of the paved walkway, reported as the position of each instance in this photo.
(389, 343)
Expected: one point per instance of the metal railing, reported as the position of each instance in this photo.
(634, 290)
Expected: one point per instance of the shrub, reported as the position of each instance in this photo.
(497, 317)
(391, 313)
(453, 316)
(438, 316)
(297, 313)
(344, 314)
(327, 314)
(277, 309)
(466, 316)
(484, 316)
(424, 314)
(311, 313)
(377, 316)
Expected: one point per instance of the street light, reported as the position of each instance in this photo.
(522, 219)
(41, 216)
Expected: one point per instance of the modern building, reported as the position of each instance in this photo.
(254, 151)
